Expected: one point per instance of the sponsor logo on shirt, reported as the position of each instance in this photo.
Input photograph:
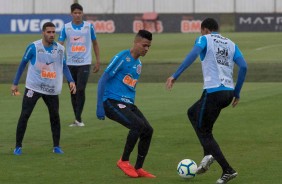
(48, 74)
(48, 63)
(47, 88)
(128, 80)
(78, 48)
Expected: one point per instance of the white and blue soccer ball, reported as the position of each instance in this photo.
(187, 168)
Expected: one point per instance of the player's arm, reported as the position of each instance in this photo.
(190, 58)
(110, 71)
(200, 45)
(69, 78)
(242, 64)
(29, 55)
(96, 50)
(62, 36)
(100, 113)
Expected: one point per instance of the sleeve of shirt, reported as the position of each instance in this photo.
(237, 54)
(240, 61)
(66, 71)
(190, 58)
(63, 35)
(114, 65)
(201, 41)
(93, 34)
(29, 54)
(100, 93)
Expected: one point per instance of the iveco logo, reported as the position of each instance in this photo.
(260, 20)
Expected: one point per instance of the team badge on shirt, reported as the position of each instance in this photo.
(121, 106)
(128, 59)
(29, 93)
(138, 70)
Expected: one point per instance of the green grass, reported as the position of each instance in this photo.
(249, 135)
(166, 48)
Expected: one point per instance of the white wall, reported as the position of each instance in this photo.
(257, 6)
(278, 6)
(169, 6)
(141, 6)
(211, 6)
(16, 6)
(133, 6)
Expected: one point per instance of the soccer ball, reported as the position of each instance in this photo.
(187, 168)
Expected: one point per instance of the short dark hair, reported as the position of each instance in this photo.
(76, 6)
(47, 24)
(144, 34)
(210, 24)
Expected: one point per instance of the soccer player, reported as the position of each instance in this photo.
(44, 80)
(218, 55)
(80, 36)
(115, 99)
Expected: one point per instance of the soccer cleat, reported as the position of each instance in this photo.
(128, 169)
(205, 164)
(18, 151)
(225, 177)
(77, 124)
(58, 150)
(142, 173)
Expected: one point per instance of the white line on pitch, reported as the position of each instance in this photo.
(268, 47)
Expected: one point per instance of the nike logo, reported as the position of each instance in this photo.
(48, 63)
(76, 38)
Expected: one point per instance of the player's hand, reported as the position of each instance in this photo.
(169, 83)
(72, 88)
(96, 67)
(235, 102)
(100, 113)
(15, 90)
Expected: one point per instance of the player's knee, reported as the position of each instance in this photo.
(149, 130)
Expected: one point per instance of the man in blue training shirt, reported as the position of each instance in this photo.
(218, 55)
(115, 99)
(44, 80)
(80, 36)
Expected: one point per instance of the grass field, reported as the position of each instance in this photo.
(249, 135)
(166, 48)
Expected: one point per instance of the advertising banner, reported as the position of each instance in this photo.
(258, 22)
(106, 23)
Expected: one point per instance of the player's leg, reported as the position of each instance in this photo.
(123, 114)
(143, 145)
(82, 79)
(29, 101)
(193, 114)
(52, 103)
(73, 71)
(215, 102)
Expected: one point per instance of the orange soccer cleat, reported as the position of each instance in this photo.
(142, 173)
(128, 169)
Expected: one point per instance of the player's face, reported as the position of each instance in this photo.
(77, 16)
(142, 46)
(49, 35)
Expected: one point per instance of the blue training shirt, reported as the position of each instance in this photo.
(63, 35)
(200, 48)
(124, 72)
(30, 55)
